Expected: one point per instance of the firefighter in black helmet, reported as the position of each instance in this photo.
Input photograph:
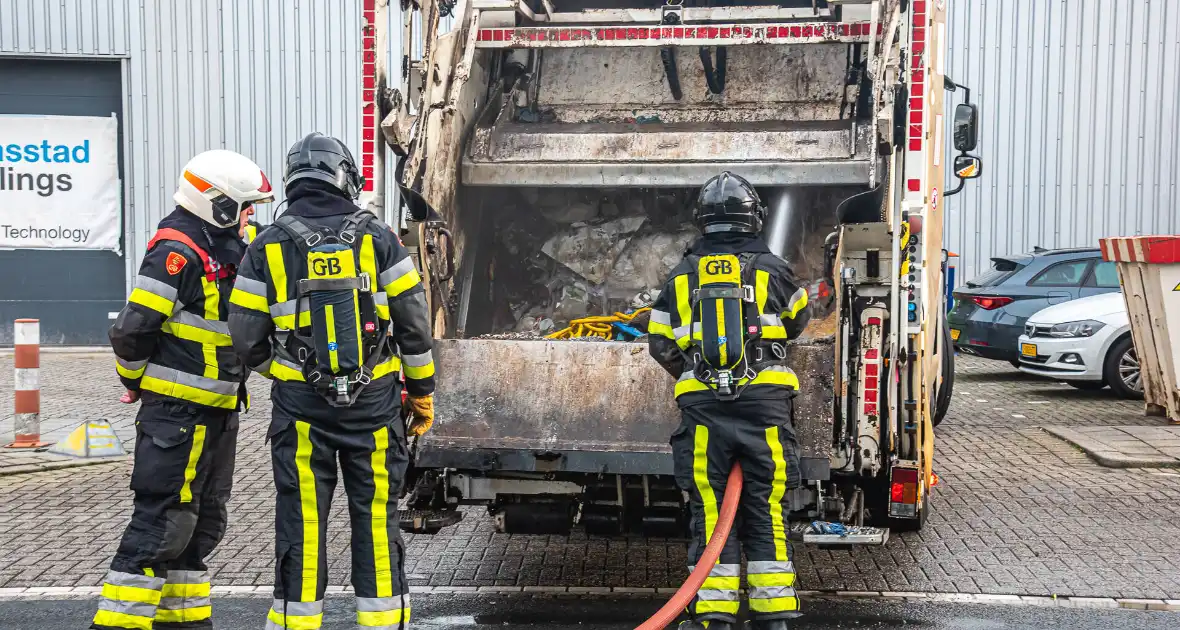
(329, 305)
(719, 328)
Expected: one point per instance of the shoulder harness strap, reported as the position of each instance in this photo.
(213, 270)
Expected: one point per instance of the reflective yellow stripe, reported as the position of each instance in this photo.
(212, 299)
(404, 283)
(287, 322)
(663, 330)
(296, 622)
(122, 620)
(700, 475)
(773, 605)
(248, 300)
(704, 606)
(149, 572)
(199, 335)
(330, 323)
(251, 233)
(190, 470)
(186, 590)
(130, 594)
(778, 490)
(155, 302)
(775, 377)
(210, 353)
(189, 393)
(183, 615)
(389, 367)
(383, 618)
(770, 579)
(311, 515)
(761, 289)
(380, 517)
(683, 307)
(420, 372)
(284, 373)
(722, 583)
(278, 273)
(368, 259)
(774, 332)
(131, 374)
(356, 314)
(796, 306)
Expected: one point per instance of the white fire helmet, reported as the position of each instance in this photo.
(218, 185)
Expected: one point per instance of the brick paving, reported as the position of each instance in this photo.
(1018, 511)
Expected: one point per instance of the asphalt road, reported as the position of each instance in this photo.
(458, 612)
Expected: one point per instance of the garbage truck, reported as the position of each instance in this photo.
(546, 156)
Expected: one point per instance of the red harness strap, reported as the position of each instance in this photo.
(213, 270)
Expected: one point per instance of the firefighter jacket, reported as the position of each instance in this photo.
(263, 310)
(782, 312)
(251, 231)
(171, 340)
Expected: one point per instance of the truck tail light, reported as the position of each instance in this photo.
(903, 492)
(990, 303)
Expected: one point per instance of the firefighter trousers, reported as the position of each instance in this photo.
(304, 456)
(759, 434)
(182, 477)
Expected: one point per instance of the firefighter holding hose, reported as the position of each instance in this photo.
(720, 327)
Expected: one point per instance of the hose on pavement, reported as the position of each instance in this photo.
(679, 601)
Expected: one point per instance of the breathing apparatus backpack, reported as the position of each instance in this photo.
(726, 325)
(338, 338)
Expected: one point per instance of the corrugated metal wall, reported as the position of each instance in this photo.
(207, 74)
(1078, 101)
(1078, 106)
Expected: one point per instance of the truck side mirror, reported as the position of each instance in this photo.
(966, 119)
(968, 166)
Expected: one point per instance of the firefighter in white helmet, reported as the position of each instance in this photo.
(174, 354)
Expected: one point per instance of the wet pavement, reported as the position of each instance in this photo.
(1018, 511)
(459, 612)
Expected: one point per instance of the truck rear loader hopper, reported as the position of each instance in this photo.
(532, 112)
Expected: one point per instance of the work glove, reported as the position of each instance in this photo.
(421, 409)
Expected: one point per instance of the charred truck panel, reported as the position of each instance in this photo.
(548, 151)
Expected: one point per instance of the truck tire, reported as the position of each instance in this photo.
(1121, 370)
(942, 403)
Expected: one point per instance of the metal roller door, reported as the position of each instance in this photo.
(70, 291)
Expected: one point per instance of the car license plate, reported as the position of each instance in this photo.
(1028, 349)
(955, 334)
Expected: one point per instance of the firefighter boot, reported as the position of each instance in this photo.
(705, 625)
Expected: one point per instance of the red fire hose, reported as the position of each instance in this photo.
(684, 595)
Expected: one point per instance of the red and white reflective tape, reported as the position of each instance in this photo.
(1159, 250)
(369, 120)
(720, 34)
(917, 76)
(26, 338)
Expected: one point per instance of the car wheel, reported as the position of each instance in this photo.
(1089, 386)
(1121, 370)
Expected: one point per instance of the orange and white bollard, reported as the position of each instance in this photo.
(26, 339)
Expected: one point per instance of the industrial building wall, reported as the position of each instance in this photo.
(207, 74)
(1078, 104)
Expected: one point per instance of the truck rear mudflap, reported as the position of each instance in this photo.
(585, 407)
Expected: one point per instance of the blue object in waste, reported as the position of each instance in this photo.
(629, 330)
(828, 527)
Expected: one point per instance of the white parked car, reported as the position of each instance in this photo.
(1085, 343)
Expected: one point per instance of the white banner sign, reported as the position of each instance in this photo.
(59, 182)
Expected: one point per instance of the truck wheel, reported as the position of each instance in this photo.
(1121, 370)
(942, 402)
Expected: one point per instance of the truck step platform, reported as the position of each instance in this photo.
(855, 535)
(426, 521)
